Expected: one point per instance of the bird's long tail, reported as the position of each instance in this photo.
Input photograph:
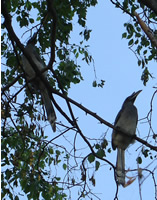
(51, 115)
(120, 166)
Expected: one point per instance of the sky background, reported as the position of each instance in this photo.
(117, 65)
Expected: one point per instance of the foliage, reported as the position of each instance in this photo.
(25, 149)
(33, 162)
(138, 42)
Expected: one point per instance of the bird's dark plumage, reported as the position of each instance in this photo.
(126, 121)
(37, 82)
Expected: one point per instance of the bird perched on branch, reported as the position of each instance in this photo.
(37, 83)
(126, 121)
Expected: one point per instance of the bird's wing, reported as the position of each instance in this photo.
(37, 56)
(114, 146)
(38, 84)
(118, 116)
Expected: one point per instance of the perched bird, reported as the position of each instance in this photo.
(37, 83)
(126, 121)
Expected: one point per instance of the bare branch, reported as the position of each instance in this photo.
(101, 119)
(11, 83)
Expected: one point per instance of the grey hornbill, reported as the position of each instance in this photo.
(126, 121)
(37, 83)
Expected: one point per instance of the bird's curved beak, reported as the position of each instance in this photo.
(135, 94)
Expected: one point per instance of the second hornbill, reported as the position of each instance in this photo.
(37, 83)
(126, 121)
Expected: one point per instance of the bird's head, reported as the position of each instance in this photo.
(33, 39)
(132, 97)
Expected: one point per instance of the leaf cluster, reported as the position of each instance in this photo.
(138, 42)
(28, 160)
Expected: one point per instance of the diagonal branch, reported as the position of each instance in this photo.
(101, 119)
(11, 83)
(146, 29)
(53, 14)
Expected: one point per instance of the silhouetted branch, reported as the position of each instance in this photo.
(11, 83)
(53, 14)
(146, 29)
(101, 119)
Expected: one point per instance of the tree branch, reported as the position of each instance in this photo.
(101, 119)
(11, 83)
(53, 14)
(13, 37)
(146, 29)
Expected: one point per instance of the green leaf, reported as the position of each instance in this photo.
(77, 55)
(31, 20)
(145, 153)
(91, 158)
(97, 146)
(137, 35)
(130, 29)
(51, 151)
(64, 166)
(124, 35)
(104, 144)
(94, 84)
(97, 165)
(139, 62)
(131, 42)
(129, 36)
(58, 152)
(92, 179)
(138, 29)
(20, 81)
(139, 160)
(101, 153)
(8, 174)
(109, 150)
(101, 84)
